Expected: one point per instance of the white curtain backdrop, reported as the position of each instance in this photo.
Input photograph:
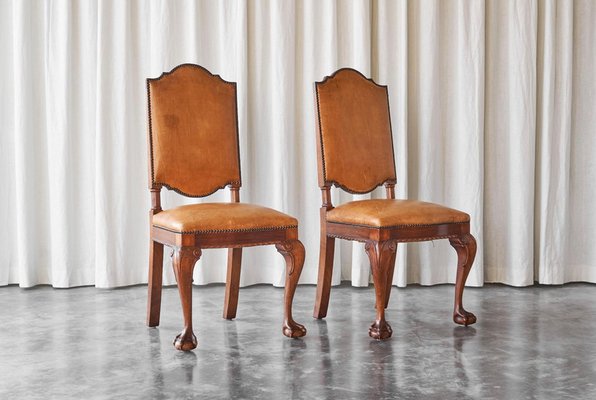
(493, 109)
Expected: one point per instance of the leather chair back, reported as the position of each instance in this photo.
(193, 131)
(355, 142)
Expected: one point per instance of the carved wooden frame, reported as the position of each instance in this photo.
(381, 242)
(187, 250)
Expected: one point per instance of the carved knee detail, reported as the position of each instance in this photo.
(465, 246)
(190, 254)
(293, 251)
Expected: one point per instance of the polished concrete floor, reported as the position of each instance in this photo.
(87, 343)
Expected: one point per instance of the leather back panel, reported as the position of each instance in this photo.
(355, 132)
(193, 131)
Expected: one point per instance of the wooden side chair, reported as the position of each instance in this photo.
(355, 153)
(193, 150)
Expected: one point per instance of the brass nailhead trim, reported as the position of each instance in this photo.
(399, 226)
(246, 245)
(272, 228)
(363, 240)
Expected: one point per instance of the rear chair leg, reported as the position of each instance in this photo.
(232, 283)
(293, 252)
(325, 274)
(465, 245)
(184, 263)
(155, 283)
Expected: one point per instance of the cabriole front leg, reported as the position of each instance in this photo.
(381, 256)
(293, 252)
(184, 260)
(465, 246)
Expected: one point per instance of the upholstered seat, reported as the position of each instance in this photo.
(385, 213)
(221, 217)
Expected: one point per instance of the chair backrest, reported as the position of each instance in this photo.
(193, 131)
(355, 145)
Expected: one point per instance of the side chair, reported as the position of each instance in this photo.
(193, 150)
(355, 153)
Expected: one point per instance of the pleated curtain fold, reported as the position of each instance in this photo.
(493, 111)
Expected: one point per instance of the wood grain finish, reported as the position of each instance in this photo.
(338, 101)
(187, 155)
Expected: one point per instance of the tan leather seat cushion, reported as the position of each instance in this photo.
(386, 213)
(216, 217)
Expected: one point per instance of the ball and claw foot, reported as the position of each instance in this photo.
(293, 329)
(380, 330)
(185, 341)
(463, 317)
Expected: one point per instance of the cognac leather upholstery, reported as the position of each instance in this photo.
(355, 132)
(193, 131)
(219, 217)
(394, 213)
